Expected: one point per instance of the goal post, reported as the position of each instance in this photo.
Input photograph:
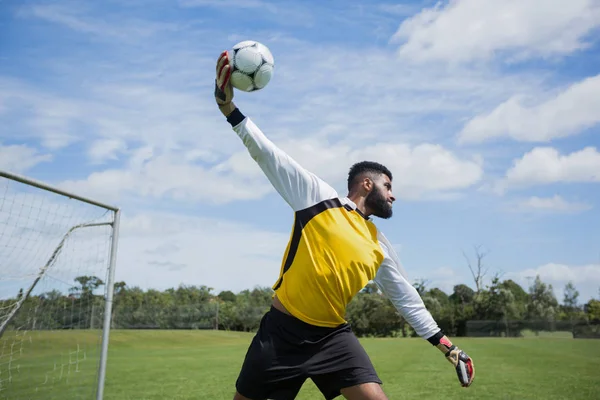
(57, 270)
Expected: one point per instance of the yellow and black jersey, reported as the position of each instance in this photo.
(334, 250)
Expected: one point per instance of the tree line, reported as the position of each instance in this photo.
(501, 308)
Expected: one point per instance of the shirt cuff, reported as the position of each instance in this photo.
(236, 117)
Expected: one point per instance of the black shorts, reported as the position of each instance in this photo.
(286, 351)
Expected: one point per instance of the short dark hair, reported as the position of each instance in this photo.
(366, 167)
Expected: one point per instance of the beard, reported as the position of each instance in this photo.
(378, 204)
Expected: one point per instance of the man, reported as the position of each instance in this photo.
(334, 251)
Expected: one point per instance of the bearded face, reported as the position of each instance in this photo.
(378, 203)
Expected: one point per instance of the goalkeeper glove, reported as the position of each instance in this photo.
(463, 365)
(223, 88)
(461, 361)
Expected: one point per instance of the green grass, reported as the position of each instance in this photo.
(149, 365)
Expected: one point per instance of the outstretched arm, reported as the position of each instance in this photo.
(297, 186)
(393, 282)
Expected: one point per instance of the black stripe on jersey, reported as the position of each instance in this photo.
(302, 218)
(347, 207)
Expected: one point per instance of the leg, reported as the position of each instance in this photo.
(365, 391)
(342, 366)
(271, 367)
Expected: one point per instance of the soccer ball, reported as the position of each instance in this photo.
(252, 66)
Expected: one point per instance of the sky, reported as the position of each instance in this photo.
(486, 112)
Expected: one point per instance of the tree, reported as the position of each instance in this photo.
(542, 304)
(372, 314)
(87, 285)
(570, 306)
(120, 287)
(120, 290)
(462, 308)
(462, 295)
(498, 303)
(521, 298)
(478, 271)
(592, 310)
(227, 295)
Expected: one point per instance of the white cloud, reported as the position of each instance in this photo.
(568, 113)
(105, 149)
(162, 250)
(586, 278)
(167, 176)
(545, 165)
(78, 19)
(423, 168)
(401, 10)
(467, 30)
(552, 204)
(20, 158)
(155, 114)
(419, 171)
(39, 115)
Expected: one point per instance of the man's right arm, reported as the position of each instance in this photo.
(297, 186)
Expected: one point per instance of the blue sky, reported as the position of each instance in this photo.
(487, 113)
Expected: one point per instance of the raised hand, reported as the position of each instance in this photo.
(223, 88)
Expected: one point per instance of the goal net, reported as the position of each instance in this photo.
(55, 273)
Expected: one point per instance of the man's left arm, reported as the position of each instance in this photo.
(392, 281)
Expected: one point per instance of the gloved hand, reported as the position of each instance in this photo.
(463, 364)
(223, 88)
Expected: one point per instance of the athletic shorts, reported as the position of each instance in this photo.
(286, 351)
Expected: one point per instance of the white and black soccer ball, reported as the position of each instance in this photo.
(252, 66)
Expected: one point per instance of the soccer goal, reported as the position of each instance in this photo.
(57, 266)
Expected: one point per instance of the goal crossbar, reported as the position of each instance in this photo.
(41, 185)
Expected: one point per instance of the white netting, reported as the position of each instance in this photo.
(54, 259)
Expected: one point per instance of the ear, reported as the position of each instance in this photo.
(367, 184)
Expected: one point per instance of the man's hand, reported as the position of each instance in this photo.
(461, 361)
(463, 365)
(223, 88)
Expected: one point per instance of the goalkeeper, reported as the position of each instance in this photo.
(334, 251)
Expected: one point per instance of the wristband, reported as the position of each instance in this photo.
(435, 339)
(235, 117)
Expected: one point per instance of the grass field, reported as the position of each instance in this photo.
(153, 365)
